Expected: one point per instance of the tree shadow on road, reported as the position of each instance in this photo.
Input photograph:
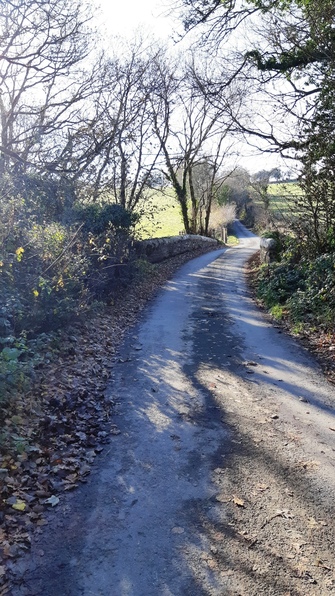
(202, 493)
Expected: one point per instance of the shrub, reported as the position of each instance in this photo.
(280, 241)
(16, 367)
(277, 282)
(99, 218)
(316, 302)
(50, 271)
(43, 281)
(304, 292)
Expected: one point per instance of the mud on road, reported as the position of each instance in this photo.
(221, 480)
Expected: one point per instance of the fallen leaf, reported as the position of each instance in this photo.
(221, 498)
(237, 501)
(84, 470)
(71, 486)
(285, 513)
(115, 431)
(262, 487)
(16, 503)
(53, 501)
(19, 505)
(72, 478)
(42, 522)
(314, 524)
(227, 573)
(309, 465)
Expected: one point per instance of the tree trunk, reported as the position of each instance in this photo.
(208, 214)
(194, 203)
(182, 199)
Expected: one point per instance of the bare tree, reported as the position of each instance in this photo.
(43, 45)
(114, 150)
(207, 181)
(135, 152)
(190, 132)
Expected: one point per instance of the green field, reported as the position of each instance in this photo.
(161, 216)
(285, 189)
(282, 198)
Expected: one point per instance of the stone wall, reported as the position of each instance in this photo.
(156, 250)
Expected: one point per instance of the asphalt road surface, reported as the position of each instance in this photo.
(210, 396)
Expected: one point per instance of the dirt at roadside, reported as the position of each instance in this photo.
(278, 538)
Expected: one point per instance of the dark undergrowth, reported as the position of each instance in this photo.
(299, 293)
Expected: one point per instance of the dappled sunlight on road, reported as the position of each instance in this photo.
(157, 418)
(182, 398)
(226, 367)
(227, 372)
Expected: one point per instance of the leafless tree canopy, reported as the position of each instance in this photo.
(106, 127)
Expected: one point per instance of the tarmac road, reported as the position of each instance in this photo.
(147, 522)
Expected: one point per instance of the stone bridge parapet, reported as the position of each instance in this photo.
(156, 250)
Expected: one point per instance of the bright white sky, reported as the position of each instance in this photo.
(123, 17)
(155, 17)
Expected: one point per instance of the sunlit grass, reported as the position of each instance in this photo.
(284, 189)
(282, 197)
(161, 215)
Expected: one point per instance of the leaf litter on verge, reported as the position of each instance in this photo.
(68, 396)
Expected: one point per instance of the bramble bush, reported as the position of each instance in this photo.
(278, 281)
(107, 234)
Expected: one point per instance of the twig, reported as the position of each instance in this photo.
(64, 249)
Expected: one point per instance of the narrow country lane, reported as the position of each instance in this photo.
(221, 480)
